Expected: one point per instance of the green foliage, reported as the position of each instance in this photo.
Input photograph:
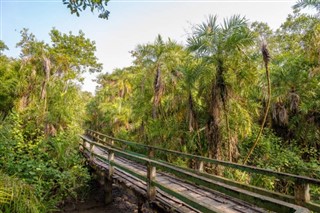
(3, 47)
(9, 79)
(77, 6)
(204, 98)
(74, 51)
(17, 196)
(52, 166)
(207, 98)
(272, 153)
(307, 3)
(45, 108)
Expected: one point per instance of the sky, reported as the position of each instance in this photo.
(131, 22)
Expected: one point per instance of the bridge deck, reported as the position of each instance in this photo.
(213, 200)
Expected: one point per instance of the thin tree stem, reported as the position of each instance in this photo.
(265, 115)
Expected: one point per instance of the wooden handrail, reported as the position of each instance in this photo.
(301, 192)
(269, 204)
(252, 169)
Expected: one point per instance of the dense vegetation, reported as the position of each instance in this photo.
(208, 97)
(211, 96)
(42, 108)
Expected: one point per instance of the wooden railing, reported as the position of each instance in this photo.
(301, 183)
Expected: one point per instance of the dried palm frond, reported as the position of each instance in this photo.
(265, 53)
(294, 100)
(280, 114)
(283, 116)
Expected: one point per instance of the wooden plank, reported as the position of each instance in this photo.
(175, 187)
(252, 169)
(132, 169)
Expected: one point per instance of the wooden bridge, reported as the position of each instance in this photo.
(178, 189)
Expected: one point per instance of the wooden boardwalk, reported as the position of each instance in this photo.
(173, 193)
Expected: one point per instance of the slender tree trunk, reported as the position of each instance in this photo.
(48, 129)
(193, 123)
(266, 58)
(157, 92)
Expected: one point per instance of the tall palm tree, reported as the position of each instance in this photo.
(219, 45)
(157, 76)
(159, 58)
(190, 71)
(266, 59)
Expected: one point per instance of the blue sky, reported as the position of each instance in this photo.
(131, 22)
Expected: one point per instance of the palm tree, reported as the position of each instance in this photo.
(219, 45)
(307, 3)
(191, 70)
(159, 58)
(266, 59)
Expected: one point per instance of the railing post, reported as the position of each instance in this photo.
(301, 192)
(91, 151)
(200, 165)
(150, 152)
(111, 161)
(84, 144)
(151, 176)
(123, 147)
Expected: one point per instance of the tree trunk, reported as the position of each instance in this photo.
(193, 123)
(157, 92)
(48, 129)
(214, 129)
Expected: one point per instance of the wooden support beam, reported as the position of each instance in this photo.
(108, 190)
(301, 193)
(139, 204)
(151, 176)
(106, 184)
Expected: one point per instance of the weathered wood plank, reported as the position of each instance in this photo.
(195, 196)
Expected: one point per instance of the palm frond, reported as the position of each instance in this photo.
(307, 3)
